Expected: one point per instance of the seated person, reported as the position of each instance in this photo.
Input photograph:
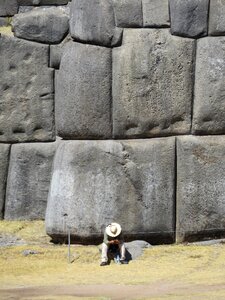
(113, 236)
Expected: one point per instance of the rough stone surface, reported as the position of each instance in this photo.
(28, 180)
(200, 187)
(156, 13)
(56, 52)
(26, 92)
(83, 92)
(152, 84)
(8, 7)
(216, 17)
(128, 13)
(92, 21)
(4, 160)
(46, 25)
(42, 2)
(97, 182)
(3, 22)
(189, 18)
(136, 248)
(209, 110)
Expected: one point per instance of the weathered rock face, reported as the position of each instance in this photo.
(216, 17)
(42, 2)
(189, 18)
(56, 52)
(200, 187)
(209, 110)
(4, 159)
(152, 84)
(28, 181)
(156, 13)
(92, 21)
(83, 92)
(96, 182)
(46, 25)
(128, 13)
(8, 7)
(26, 92)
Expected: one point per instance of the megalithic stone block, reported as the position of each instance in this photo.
(189, 18)
(209, 109)
(42, 2)
(156, 13)
(4, 161)
(45, 25)
(26, 92)
(97, 182)
(152, 84)
(28, 180)
(83, 92)
(93, 22)
(200, 187)
(8, 8)
(216, 17)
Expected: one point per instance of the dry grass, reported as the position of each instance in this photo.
(6, 30)
(196, 265)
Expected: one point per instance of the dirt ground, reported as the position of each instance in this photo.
(32, 268)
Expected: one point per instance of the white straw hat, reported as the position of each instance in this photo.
(113, 229)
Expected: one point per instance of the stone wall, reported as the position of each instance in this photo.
(134, 92)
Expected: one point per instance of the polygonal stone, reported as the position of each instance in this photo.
(189, 18)
(200, 187)
(26, 92)
(156, 13)
(152, 84)
(46, 25)
(56, 52)
(83, 92)
(4, 160)
(8, 7)
(3, 22)
(28, 180)
(97, 182)
(42, 2)
(209, 109)
(92, 21)
(128, 13)
(216, 17)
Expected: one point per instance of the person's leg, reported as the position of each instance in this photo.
(122, 251)
(104, 257)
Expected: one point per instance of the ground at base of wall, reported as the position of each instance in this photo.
(38, 270)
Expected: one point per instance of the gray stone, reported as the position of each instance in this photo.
(216, 17)
(7, 240)
(42, 2)
(128, 13)
(30, 252)
(46, 25)
(92, 21)
(56, 52)
(83, 92)
(209, 110)
(8, 7)
(97, 182)
(200, 187)
(26, 92)
(156, 13)
(136, 248)
(28, 180)
(152, 84)
(4, 160)
(189, 18)
(3, 22)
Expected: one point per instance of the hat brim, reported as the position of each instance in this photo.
(118, 231)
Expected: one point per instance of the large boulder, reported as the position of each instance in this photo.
(56, 52)
(152, 84)
(128, 13)
(200, 187)
(45, 25)
(97, 182)
(26, 92)
(92, 21)
(8, 7)
(83, 92)
(189, 18)
(42, 2)
(28, 180)
(209, 109)
(4, 161)
(156, 13)
(217, 17)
